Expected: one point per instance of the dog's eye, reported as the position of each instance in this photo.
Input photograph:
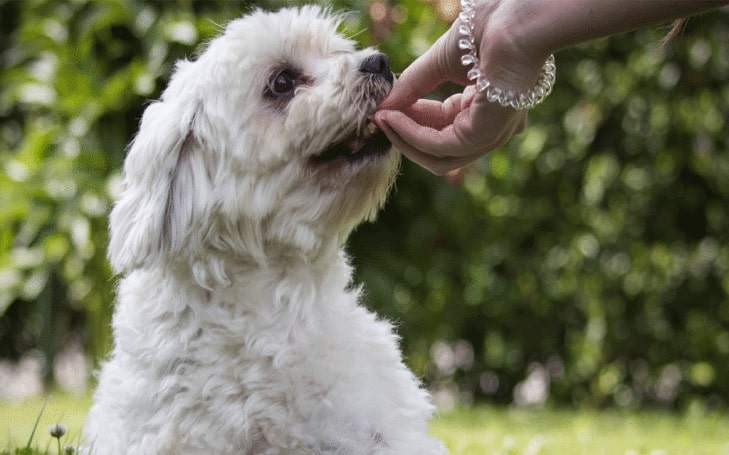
(283, 83)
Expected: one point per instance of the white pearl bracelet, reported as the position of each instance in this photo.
(505, 97)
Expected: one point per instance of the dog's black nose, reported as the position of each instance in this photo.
(378, 64)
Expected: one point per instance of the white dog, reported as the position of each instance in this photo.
(237, 329)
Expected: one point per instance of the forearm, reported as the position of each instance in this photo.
(551, 25)
(518, 35)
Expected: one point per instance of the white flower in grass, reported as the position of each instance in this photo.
(57, 430)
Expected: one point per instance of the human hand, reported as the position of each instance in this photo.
(513, 39)
(444, 136)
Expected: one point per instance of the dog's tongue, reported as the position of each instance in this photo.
(359, 140)
(356, 144)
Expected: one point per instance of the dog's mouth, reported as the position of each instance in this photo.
(366, 141)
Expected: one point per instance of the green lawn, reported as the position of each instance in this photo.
(477, 431)
(486, 430)
(18, 418)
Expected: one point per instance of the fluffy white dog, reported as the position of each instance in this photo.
(237, 329)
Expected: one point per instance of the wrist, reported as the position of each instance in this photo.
(509, 57)
(504, 80)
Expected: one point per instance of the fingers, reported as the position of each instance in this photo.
(443, 130)
(422, 137)
(438, 64)
(439, 151)
(435, 164)
(435, 114)
(445, 136)
(415, 82)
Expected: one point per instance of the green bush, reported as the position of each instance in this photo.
(593, 248)
(76, 78)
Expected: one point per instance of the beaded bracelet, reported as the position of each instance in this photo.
(506, 98)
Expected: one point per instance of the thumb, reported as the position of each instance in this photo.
(418, 79)
(438, 64)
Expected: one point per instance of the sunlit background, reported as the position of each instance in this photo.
(585, 263)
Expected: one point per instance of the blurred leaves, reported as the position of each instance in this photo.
(595, 244)
(75, 77)
(593, 249)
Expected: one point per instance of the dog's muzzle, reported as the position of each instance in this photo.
(365, 140)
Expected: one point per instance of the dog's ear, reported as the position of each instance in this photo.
(154, 214)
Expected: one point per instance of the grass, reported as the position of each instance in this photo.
(487, 430)
(474, 431)
(18, 419)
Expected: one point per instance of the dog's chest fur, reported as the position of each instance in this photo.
(285, 358)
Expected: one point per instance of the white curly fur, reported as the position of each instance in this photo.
(237, 329)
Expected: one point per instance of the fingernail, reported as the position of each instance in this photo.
(378, 118)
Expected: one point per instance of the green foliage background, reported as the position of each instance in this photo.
(593, 248)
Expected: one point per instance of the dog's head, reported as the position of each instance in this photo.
(261, 147)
